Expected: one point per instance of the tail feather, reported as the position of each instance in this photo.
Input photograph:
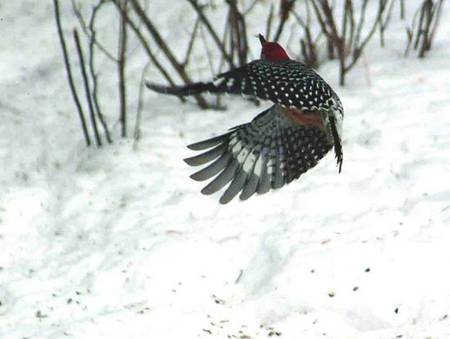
(191, 89)
(233, 82)
(337, 144)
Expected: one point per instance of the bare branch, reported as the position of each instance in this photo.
(385, 22)
(137, 125)
(91, 65)
(423, 30)
(148, 50)
(86, 28)
(402, 9)
(211, 63)
(86, 87)
(269, 22)
(357, 51)
(307, 44)
(437, 16)
(250, 8)
(238, 32)
(123, 37)
(211, 30)
(191, 43)
(163, 46)
(69, 74)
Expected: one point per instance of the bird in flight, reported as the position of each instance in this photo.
(279, 144)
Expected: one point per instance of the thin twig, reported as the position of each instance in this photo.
(269, 22)
(121, 68)
(69, 74)
(208, 52)
(86, 87)
(163, 46)
(346, 41)
(384, 23)
(307, 45)
(351, 14)
(285, 8)
(191, 43)
(358, 49)
(210, 64)
(410, 31)
(345, 18)
(402, 9)
(334, 39)
(91, 65)
(361, 22)
(212, 32)
(148, 50)
(238, 32)
(85, 29)
(432, 16)
(137, 125)
(437, 15)
(420, 25)
(250, 7)
(428, 5)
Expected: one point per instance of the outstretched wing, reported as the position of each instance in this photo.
(289, 83)
(267, 153)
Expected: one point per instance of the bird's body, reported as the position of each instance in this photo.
(279, 144)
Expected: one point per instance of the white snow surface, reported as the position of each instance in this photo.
(118, 242)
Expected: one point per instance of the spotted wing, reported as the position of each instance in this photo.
(289, 83)
(267, 153)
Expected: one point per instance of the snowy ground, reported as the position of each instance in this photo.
(119, 243)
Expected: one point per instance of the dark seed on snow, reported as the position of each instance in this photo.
(40, 315)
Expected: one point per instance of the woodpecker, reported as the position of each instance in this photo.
(282, 142)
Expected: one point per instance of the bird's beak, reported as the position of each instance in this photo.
(262, 40)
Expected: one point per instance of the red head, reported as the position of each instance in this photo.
(272, 51)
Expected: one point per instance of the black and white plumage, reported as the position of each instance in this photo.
(282, 142)
(269, 152)
(285, 82)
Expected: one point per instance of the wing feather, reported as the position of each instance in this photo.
(265, 154)
(213, 169)
(288, 83)
(206, 157)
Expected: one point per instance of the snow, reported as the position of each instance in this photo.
(118, 242)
